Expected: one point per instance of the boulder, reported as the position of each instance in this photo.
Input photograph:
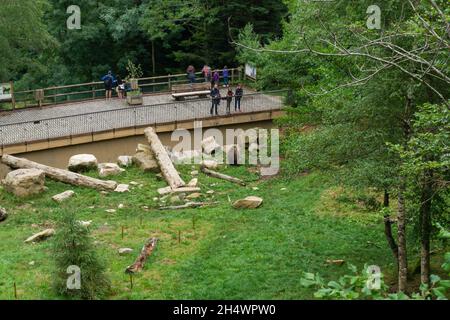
(146, 162)
(125, 161)
(41, 236)
(63, 196)
(232, 154)
(248, 203)
(121, 188)
(25, 182)
(82, 162)
(193, 183)
(210, 164)
(194, 173)
(186, 157)
(109, 169)
(144, 149)
(3, 214)
(210, 146)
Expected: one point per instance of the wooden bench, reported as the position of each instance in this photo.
(180, 92)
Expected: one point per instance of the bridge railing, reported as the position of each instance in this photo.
(95, 90)
(132, 117)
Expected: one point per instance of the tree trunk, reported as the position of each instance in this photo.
(389, 237)
(222, 176)
(146, 251)
(425, 228)
(386, 199)
(167, 168)
(402, 252)
(59, 174)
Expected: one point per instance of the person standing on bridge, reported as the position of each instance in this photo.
(215, 99)
(226, 76)
(238, 96)
(191, 74)
(229, 99)
(108, 80)
(207, 73)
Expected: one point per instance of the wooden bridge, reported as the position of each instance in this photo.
(55, 126)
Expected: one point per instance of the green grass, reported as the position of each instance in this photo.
(224, 253)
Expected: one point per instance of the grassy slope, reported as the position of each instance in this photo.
(231, 254)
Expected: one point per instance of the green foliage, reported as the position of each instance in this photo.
(73, 247)
(23, 36)
(365, 285)
(134, 71)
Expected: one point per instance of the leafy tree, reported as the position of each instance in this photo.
(23, 36)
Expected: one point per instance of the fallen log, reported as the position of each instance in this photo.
(3, 214)
(169, 190)
(189, 205)
(59, 174)
(222, 176)
(162, 157)
(41, 236)
(146, 251)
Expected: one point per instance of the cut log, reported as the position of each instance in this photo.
(162, 157)
(222, 176)
(169, 190)
(59, 174)
(189, 205)
(146, 251)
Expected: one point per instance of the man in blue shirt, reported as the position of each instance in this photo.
(109, 81)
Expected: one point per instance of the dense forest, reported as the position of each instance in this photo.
(370, 88)
(37, 49)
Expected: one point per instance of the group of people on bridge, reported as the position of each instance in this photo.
(122, 87)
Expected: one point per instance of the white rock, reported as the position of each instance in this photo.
(25, 182)
(193, 183)
(255, 188)
(32, 263)
(121, 188)
(82, 162)
(210, 164)
(121, 206)
(134, 183)
(194, 173)
(210, 192)
(63, 196)
(248, 203)
(125, 161)
(85, 223)
(111, 211)
(125, 251)
(186, 157)
(155, 199)
(109, 169)
(210, 146)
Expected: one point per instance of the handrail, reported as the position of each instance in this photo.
(168, 104)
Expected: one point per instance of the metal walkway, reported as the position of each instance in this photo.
(97, 116)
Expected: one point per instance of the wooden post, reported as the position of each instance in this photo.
(170, 84)
(232, 76)
(13, 99)
(93, 92)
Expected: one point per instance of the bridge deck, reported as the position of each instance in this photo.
(100, 115)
